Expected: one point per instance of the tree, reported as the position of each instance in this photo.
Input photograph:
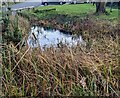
(14, 1)
(101, 7)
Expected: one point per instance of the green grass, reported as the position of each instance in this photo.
(79, 9)
(113, 15)
(71, 9)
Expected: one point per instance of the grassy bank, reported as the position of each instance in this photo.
(76, 10)
(74, 18)
(79, 9)
(91, 70)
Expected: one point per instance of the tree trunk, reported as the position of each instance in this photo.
(100, 7)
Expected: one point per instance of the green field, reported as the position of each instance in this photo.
(76, 9)
(80, 10)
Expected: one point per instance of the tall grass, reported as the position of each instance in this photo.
(63, 71)
(91, 70)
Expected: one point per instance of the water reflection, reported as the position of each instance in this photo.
(45, 37)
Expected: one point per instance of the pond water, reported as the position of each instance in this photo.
(46, 37)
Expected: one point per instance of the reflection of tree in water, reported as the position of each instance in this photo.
(39, 30)
(32, 41)
(33, 37)
(75, 37)
(46, 37)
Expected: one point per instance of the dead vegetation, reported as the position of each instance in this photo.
(80, 70)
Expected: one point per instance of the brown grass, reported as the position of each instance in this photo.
(80, 70)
